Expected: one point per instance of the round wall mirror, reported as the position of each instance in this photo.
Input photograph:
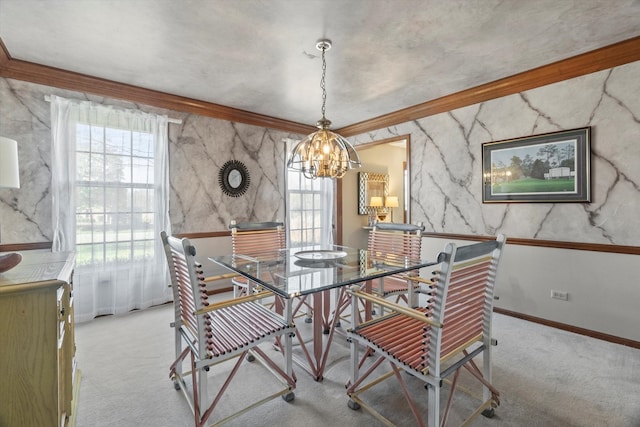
(234, 178)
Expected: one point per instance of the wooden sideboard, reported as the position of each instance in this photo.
(37, 346)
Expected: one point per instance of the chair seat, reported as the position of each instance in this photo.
(238, 326)
(399, 336)
(393, 285)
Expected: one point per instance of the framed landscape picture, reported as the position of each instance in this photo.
(550, 168)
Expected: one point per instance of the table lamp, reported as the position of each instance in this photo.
(376, 203)
(391, 202)
(9, 178)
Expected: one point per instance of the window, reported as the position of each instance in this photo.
(114, 195)
(309, 210)
(110, 192)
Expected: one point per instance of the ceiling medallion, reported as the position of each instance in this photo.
(323, 154)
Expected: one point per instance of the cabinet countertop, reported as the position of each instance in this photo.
(38, 268)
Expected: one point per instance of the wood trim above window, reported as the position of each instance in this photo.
(600, 59)
(63, 79)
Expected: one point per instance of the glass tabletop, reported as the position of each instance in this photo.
(294, 272)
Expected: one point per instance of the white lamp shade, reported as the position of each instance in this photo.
(9, 174)
(376, 201)
(391, 202)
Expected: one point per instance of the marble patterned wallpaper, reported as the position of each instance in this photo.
(198, 147)
(445, 165)
(446, 156)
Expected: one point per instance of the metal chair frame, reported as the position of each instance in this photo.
(208, 334)
(435, 341)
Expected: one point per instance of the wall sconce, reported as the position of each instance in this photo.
(391, 202)
(9, 178)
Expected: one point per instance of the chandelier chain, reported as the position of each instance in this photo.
(322, 84)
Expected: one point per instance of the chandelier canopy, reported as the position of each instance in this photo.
(323, 154)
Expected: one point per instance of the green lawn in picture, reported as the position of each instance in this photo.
(530, 185)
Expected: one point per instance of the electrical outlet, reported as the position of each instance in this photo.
(561, 295)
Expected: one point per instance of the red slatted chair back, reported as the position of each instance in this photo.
(402, 239)
(463, 300)
(254, 238)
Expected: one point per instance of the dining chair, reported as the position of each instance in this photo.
(254, 239)
(400, 239)
(223, 335)
(390, 239)
(434, 341)
(259, 239)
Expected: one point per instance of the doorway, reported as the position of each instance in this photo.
(389, 156)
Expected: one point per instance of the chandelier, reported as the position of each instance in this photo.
(323, 154)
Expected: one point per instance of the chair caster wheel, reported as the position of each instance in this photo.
(352, 404)
(251, 358)
(308, 320)
(489, 413)
(288, 397)
(176, 385)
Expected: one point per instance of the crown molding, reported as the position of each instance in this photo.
(600, 59)
(63, 79)
(597, 60)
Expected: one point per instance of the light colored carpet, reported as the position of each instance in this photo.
(546, 377)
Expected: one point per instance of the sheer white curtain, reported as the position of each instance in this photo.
(327, 190)
(310, 208)
(110, 191)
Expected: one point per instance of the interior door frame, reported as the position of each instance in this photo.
(407, 214)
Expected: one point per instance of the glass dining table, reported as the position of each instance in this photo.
(312, 272)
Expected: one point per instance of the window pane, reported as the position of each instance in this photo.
(295, 201)
(142, 170)
(97, 139)
(83, 138)
(123, 253)
(96, 167)
(83, 229)
(110, 252)
(143, 200)
(117, 199)
(294, 181)
(308, 200)
(83, 167)
(143, 249)
(96, 227)
(295, 236)
(96, 199)
(118, 141)
(118, 169)
(88, 254)
(83, 254)
(142, 144)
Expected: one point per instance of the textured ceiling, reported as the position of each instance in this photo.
(260, 55)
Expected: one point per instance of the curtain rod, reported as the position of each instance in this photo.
(169, 119)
